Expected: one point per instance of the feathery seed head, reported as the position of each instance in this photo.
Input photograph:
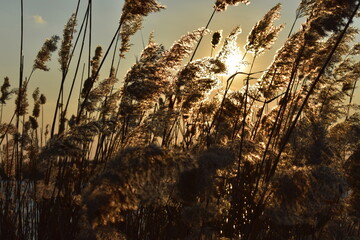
(44, 55)
(5, 93)
(87, 87)
(110, 107)
(264, 33)
(33, 122)
(141, 7)
(21, 107)
(133, 13)
(196, 80)
(36, 94)
(66, 44)
(325, 17)
(216, 38)
(98, 93)
(36, 110)
(147, 79)
(42, 99)
(95, 62)
(182, 48)
(221, 5)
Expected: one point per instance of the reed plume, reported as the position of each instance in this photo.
(221, 5)
(66, 43)
(131, 19)
(5, 93)
(264, 33)
(44, 55)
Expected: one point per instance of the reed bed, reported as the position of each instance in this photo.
(175, 153)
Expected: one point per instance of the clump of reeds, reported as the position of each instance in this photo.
(174, 154)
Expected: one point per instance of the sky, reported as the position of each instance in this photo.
(44, 18)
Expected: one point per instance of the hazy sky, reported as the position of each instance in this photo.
(44, 18)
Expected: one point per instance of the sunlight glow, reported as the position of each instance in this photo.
(234, 62)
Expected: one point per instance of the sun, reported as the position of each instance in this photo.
(234, 62)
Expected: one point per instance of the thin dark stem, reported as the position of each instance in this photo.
(21, 70)
(81, 83)
(202, 35)
(1, 114)
(19, 154)
(117, 67)
(57, 106)
(90, 32)
(293, 25)
(77, 66)
(42, 125)
(7, 128)
(21, 73)
(244, 115)
(97, 72)
(142, 39)
(350, 100)
(113, 57)
(64, 74)
(257, 124)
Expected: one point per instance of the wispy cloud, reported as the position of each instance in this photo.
(38, 19)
